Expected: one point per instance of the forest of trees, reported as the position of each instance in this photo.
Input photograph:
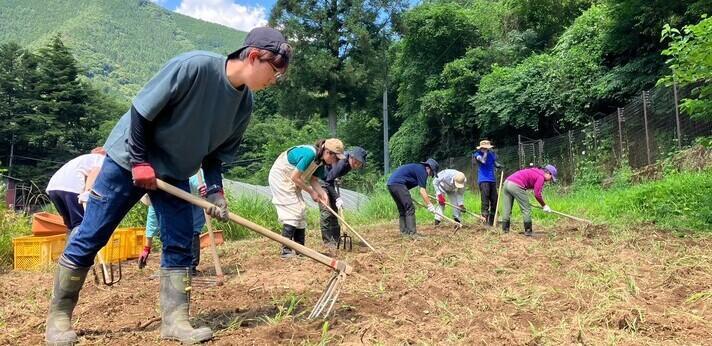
(454, 72)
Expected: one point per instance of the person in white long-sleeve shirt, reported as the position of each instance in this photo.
(450, 182)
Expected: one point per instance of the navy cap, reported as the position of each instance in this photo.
(434, 166)
(359, 154)
(268, 39)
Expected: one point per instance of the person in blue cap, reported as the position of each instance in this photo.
(330, 229)
(399, 184)
(192, 113)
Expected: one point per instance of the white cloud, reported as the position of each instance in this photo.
(224, 12)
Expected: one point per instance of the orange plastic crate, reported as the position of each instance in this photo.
(44, 224)
(37, 253)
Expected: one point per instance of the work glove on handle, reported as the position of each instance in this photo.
(339, 203)
(431, 208)
(441, 199)
(144, 176)
(462, 208)
(144, 257)
(547, 209)
(219, 208)
(203, 191)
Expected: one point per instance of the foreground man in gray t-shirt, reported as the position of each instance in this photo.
(192, 113)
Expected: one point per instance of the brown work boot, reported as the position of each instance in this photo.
(67, 284)
(175, 304)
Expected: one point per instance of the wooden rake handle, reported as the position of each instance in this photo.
(460, 209)
(216, 258)
(566, 215)
(325, 260)
(341, 218)
(441, 215)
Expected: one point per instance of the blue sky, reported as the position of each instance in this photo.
(239, 14)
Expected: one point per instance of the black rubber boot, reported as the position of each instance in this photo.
(505, 226)
(300, 235)
(288, 232)
(437, 222)
(410, 225)
(195, 252)
(490, 220)
(175, 304)
(528, 229)
(401, 224)
(67, 284)
(456, 220)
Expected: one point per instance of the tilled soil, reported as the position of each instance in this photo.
(567, 285)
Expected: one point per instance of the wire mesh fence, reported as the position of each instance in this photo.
(647, 129)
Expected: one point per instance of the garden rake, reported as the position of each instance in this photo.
(343, 221)
(479, 217)
(457, 224)
(107, 275)
(341, 269)
(566, 215)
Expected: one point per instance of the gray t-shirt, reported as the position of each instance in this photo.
(195, 112)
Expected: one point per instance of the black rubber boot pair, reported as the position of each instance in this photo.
(292, 233)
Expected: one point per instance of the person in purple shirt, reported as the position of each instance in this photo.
(401, 181)
(516, 186)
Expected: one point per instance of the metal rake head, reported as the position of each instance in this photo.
(328, 298)
(206, 281)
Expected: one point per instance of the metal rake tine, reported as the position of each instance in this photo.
(335, 294)
(318, 307)
(325, 297)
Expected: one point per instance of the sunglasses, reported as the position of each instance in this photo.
(278, 76)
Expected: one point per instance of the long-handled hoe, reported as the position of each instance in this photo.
(457, 224)
(341, 269)
(567, 215)
(499, 198)
(479, 217)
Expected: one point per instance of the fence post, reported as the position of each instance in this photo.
(541, 152)
(520, 151)
(571, 156)
(620, 132)
(677, 116)
(645, 122)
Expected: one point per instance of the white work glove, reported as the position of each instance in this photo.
(83, 197)
(431, 208)
(547, 209)
(339, 203)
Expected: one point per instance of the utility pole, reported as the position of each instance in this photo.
(12, 154)
(386, 154)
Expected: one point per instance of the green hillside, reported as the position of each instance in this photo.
(119, 43)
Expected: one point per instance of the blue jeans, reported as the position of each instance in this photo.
(111, 199)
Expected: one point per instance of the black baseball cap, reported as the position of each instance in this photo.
(268, 39)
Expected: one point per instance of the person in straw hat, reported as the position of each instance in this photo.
(452, 183)
(486, 161)
(299, 169)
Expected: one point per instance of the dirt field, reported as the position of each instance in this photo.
(567, 285)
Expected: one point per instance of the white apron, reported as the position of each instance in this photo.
(286, 196)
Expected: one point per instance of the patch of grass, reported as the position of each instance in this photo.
(704, 295)
(12, 225)
(286, 309)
